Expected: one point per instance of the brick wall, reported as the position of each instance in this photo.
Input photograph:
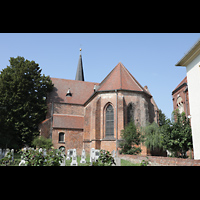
(94, 118)
(72, 139)
(161, 161)
(185, 98)
(62, 108)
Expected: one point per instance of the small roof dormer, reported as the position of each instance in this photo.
(69, 94)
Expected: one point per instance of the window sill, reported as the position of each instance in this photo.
(109, 138)
(61, 142)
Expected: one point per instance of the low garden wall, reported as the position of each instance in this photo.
(161, 161)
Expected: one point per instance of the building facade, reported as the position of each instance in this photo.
(191, 61)
(91, 115)
(180, 97)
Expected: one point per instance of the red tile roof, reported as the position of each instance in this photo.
(120, 78)
(181, 83)
(81, 91)
(68, 121)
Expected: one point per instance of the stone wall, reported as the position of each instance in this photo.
(161, 161)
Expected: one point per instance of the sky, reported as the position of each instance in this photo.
(149, 57)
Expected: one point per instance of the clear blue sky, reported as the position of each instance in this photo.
(150, 57)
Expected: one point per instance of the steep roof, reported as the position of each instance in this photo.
(120, 78)
(79, 72)
(68, 121)
(80, 90)
(180, 85)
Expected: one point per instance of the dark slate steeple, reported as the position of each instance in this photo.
(79, 72)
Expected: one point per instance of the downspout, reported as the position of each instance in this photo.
(186, 101)
(51, 128)
(116, 121)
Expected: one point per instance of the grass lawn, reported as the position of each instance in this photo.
(128, 163)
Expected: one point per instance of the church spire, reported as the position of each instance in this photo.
(79, 72)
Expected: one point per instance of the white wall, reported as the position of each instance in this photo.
(193, 78)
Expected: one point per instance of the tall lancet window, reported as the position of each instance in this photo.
(130, 112)
(109, 121)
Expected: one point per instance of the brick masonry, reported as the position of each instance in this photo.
(81, 117)
(161, 161)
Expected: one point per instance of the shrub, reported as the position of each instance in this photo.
(7, 160)
(36, 157)
(105, 158)
(131, 136)
(42, 142)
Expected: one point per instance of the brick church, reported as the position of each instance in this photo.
(89, 115)
(180, 97)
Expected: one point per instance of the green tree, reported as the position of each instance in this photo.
(23, 93)
(162, 118)
(153, 137)
(177, 136)
(131, 139)
(42, 142)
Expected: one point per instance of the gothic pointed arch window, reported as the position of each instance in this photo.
(130, 112)
(109, 121)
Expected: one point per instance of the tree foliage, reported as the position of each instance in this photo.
(177, 135)
(42, 142)
(162, 118)
(23, 93)
(153, 137)
(131, 139)
(173, 135)
(105, 159)
(36, 157)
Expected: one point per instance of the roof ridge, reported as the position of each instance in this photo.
(120, 75)
(72, 80)
(180, 84)
(120, 78)
(104, 80)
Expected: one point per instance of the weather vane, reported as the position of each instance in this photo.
(80, 50)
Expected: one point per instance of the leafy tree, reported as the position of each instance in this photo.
(23, 93)
(162, 118)
(42, 142)
(153, 137)
(131, 139)
(177, 136)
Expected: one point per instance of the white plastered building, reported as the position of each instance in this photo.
(191, 61)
